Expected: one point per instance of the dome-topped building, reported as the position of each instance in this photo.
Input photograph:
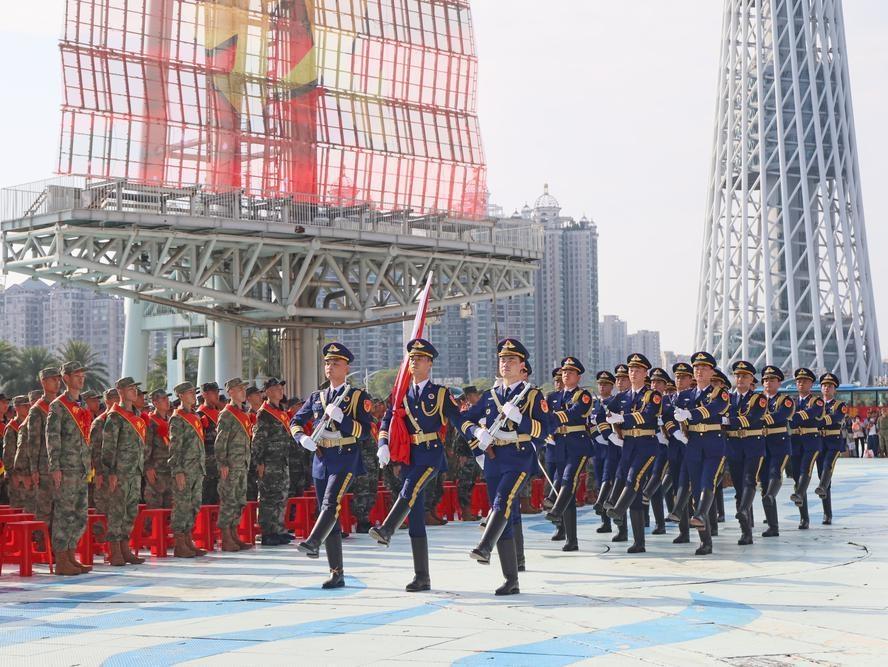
(546, 200)
(546, 209)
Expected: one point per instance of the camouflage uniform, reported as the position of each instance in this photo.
(186, 457)
(157, 453)
(462, 467)
(100, 493)
(68, 451)
(232, 449)
(364, 487)
(123, 442)
(298, 466)
(209, 417)
(31, 457)
(271, 448)
(10, 446)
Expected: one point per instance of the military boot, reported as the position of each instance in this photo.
(570, 528)
(400, 510)
(115, 555)
(228, 543)
(509, 564)
(496, 524)
(636, 517)
(323, 527)
(333, 547)
(603, 494)
(421, 579)
(128, 555)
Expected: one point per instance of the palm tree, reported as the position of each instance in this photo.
(7, 365)
(29, 361)
(96, 370)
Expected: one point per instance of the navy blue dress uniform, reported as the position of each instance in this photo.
(337, 458)
(806, 424)
(640, 424)
(600, 432)
(429, 407)
(705, 452)
(835, 416)
(570, 416)
(676, 473)
(509, 460)
(745, 447)
(653, 492)
(613, 465)
(554, 449)
(777, 449)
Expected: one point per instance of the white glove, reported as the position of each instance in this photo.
(681, 437)
(682, 415)
(484, 438)
(726, 420)
(512, 413)
(615, 439)
(307, 443)
(384, 455)
(511, 436)
(615, 418)
(662, 438)
(659, 421)
(334, 413)
(480, 460)
(600, 440)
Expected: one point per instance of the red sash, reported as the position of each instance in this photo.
(280, 415)
(163, 428)
(193, 421)
(81, 416)
(242, 418)
(43, 405)
(211, 414)
(135, 421)
(14, 425)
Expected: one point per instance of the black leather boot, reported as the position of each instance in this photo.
(804, 521)
(704, 502)
(684, 530)
(705, 547)
(558, 535)
(720, 503)
(636, 517)
(745, 529)
(650, 488)
(322, 529)
(770, 507)
(825, 482)
(622, 531)
(390, 524)
(657, 509)
(616, 492)
(421, 580)
(570, 528)
(713, 517)
(745, 503)
(518, 534)
(496, 524)
(618, 511)
(565, 495)
(333, 547)
(827, 507)
(509, 564)
(799, 496)
(680, 505)
(603, 495)
(774, 485)
(605, 526)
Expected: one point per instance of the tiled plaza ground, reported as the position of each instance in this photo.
(808, 597)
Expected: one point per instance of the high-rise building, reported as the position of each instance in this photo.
(614, 341)
(21, 313)
(647, 342)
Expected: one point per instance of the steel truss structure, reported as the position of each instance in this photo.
(785, 271)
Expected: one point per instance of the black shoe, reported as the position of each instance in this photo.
(336, 580)
(682, 539)
(827, 521)
(803, 524)
(272, 540)
(745, 539)
(571, 547)
(421, 580)
(703, 550)
(558, 536)
(605, 527)
(622, 534)
(363, 527)
(659, 530)
(509, 564)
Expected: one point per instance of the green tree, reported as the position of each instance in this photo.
(7, 365)
(96, 369)
(157, 371)
(380, 384)
(28, 362)
(483, 384)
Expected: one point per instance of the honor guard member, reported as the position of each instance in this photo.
(569, 418)
(427, 409)
(100, 484)
(705, 453)
(234, 437)
(677, 475)
(777, 445)
(503, 425)
(158, 481)
(612, 478)
(717, 511)
(639, 422)
(745, 443)
(209, 417)
(835, 416)
(806, 424)
(600, 443)
(271, 451)
(17, 487)
(188, 467)
(123, 445)
(341, 416)
(653, 489)
(554, 451)
(67, 448)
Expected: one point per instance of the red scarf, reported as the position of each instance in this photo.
(163, 428)
(81, 416)
(133, 420)
(212, 415)
(280, 415)
(193, 421)
(242, 418)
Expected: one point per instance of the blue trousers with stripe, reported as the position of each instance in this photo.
(414, 480)
(502, 492)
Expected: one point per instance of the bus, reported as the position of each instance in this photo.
(862, 402)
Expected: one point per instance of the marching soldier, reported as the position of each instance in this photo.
(834, 418)
(653, 489)
(554, 453)
(427, 409)
(676, 475)
(67, 449)
(639, 420)
(209, 417)
(233, 441)
(100, 486)
(17, 488)
(271, 450)
(123, 444)
(613, 478)
(158, 480)
(777, 445)
(745, 443)
(600, 431)
(572, 411)
(341, 416)
(806, 424)
(188, 467)
(503, 426)
(705, 454)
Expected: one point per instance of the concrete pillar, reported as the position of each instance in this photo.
(206, 359)
(310, 369)
(229, 360)
(290, 342)
(135, 341)
(171, 364)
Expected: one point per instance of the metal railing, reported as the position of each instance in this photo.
(71, 192)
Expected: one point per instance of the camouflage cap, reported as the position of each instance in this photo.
(34, 394)
(253, 389)
(124, 383)
(158, 392)
(234, 383)
(21, 399)
(47, 373)
(70, 367)
(111, 394)
(89, 393)
(182, 387)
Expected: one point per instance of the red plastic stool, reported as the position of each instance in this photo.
(449, 507)
(581, 490)
(204, 533)
(91, 544)
(157, 539)
(536, 493)
(480, 501)
(381, 507)
(346, 518)
(247, 529)
(22, 548)
(299, 515)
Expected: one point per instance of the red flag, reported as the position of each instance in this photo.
(399, 438)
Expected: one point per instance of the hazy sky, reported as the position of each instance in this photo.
(611, 103)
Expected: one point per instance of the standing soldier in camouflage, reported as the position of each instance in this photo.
(158, 481)
(254, 402)
(4, 476)
(271, 450)
(17, 487)
(299, 458)
(93, 402)
(67, 449)
(233, 438)
(123, 444)
(32, 448)
(188, 467)
(100, 487)
(209, 417)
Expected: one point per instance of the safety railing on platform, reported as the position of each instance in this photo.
(70, 193)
